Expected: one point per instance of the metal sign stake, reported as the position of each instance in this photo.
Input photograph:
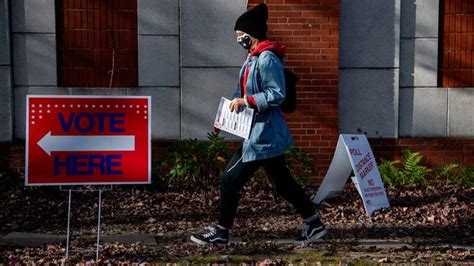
(98, 226)
(68, 223)
(99, 214)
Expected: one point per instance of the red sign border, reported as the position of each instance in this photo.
(148, 98)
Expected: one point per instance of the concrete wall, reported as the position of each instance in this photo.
(423, 106)
(33, 34)
(186, 60)
(211, 60)
(388, 74)
(6, 115)
(4, 34)
(427, 110)
(34, 42)
(369, 67)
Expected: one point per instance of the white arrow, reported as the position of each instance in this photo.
(86, 143)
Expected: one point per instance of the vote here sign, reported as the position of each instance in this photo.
(93, 140)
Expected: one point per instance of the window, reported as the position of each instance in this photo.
(97, 43)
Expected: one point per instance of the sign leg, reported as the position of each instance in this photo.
(68, 224)
(98, 225)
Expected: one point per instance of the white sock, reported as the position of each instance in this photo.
(222, 227)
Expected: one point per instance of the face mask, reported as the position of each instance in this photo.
(245, 41)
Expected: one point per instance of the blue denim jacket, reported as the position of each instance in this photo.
(270, 135)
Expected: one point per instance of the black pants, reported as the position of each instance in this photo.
(237, 173)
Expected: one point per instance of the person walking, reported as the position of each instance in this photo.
(261, 87)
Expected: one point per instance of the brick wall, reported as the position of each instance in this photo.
(437, 152)
(17, 156)
(457, 44)
(310, 31)
(92, 35)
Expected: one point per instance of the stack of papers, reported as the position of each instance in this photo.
(238, 124)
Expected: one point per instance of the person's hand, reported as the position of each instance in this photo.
(237, 104)
(217, 130)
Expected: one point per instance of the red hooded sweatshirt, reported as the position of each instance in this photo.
(273, 46)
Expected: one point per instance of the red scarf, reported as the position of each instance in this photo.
(275, 47)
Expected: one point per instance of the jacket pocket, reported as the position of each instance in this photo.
(263, 134)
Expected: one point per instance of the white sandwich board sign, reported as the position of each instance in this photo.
(353, 152)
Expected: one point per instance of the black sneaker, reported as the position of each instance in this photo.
(311, 231)
(212, 235)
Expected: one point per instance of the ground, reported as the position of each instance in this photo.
(429, 223)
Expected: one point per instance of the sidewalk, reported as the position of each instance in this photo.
(22, 239)
(34, 239)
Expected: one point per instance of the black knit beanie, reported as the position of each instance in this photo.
(254, 22)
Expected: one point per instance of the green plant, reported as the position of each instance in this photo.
(301, 165)
(199, 162)
(465, 176)
(410, 172)
(447, 172)
(414, 173)
(456, 173)
(390, 174)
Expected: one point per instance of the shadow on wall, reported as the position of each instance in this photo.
(210, 61)
(207, 33)
(201, 96)
(18, 18)
(33, 54)
(209, 58)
